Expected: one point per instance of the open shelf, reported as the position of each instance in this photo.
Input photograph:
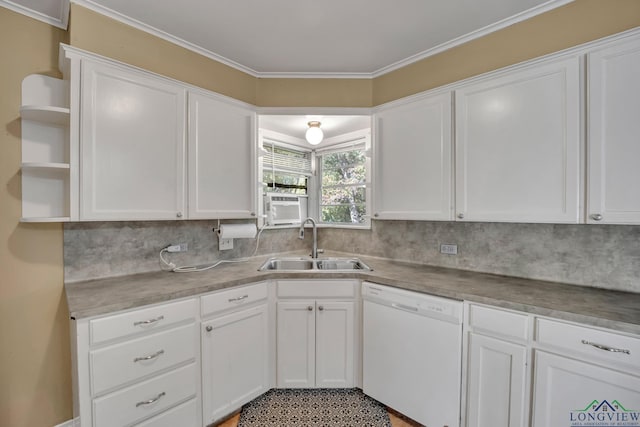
(45, 114)
(46, 167)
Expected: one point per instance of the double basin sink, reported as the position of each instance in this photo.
(318, 264)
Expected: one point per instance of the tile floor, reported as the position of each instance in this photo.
(396, 421)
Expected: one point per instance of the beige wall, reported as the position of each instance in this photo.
(561, 28)
(314, 92)
(96, 33)
(35, 378)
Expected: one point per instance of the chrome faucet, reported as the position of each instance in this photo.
(314, 250)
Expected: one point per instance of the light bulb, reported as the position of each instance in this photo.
(314, 134)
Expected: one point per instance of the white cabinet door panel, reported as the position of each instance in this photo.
(132, 145)
(496, 383)
(222, 161)
(413, 172)
(235, 362)
(569, 392)
(613, 144)
(518, 146)
(296, 346)
(334, 344)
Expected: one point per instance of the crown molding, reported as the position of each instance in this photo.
(545, 7)
(117, 16)
(61, 21)
(527, 14)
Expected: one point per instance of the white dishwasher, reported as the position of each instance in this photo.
(412, 350)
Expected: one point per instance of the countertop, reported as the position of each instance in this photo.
(597, 307)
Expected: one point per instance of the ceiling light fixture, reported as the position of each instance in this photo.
(314, 134)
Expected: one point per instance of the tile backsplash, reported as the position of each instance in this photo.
(604, 256)
(95, 250)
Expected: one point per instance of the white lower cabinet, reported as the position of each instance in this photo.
(585, 376)
(572, 392)
(138, 366)
(496, 382)
(235, 355)
(235, 349)
(578, 376)
(315, 337)
(497, 375)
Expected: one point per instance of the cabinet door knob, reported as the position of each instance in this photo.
(460, 215)
(209, 328)
(376, 215)
(596, 217)
(320, 308)
(310, 308)
(253, 214)
(179, 214)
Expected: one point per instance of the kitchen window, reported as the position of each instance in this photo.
(284, 169)
(332, 182)
(344, 189)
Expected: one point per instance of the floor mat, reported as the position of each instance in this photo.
(314, 407)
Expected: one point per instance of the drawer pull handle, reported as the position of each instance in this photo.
(148, 322)
(150, 401)
(606, 348)
(149, 357)
(238, 298)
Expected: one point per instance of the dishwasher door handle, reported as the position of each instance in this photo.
(404, 307)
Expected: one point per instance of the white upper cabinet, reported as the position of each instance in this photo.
(614, 125)
(413, 165)
(222, 157)
(132, 145)
(518, 146)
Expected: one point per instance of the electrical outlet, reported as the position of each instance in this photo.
(449, 249)
(180, 247)
(225, 244)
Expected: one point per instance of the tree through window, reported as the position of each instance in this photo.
(343, 187)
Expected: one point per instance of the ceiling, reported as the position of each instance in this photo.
(329, 38)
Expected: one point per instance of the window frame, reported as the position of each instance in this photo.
(314, 186)
(343, 143)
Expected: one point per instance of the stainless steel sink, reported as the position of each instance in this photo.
(342, 264)
(307, 264)
(288, 264)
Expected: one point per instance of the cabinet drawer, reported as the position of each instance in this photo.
(493, 321)
(184, 415)
(316, 288)
(138, 321)
(232, 298)
(118, 364)
(146, 399)
(611, 347)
